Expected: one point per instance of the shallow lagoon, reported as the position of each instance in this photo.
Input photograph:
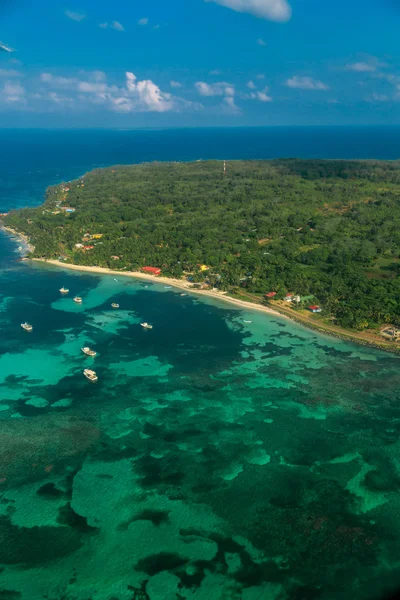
(213, 459)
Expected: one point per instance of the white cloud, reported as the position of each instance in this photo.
(64, 101)
(175, 84)
(361, 67)
(306, 83)
(221, 88)
(97, 75)
(143, 21)
(263, 97)
(90, 90)
(114, 25)
(13, 92)
(10, 73)
(57, 81)
(251, 85)
(93, 88)
(229, 106)
(369, 65)
(117, 26)
(261, 42)
(274, 10)
(148, 95)
(377, 98)
(75, 16)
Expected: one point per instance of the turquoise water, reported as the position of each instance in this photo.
(213, 459)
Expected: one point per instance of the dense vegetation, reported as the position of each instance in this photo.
(330, 229)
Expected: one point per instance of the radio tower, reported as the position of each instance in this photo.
(224, 167)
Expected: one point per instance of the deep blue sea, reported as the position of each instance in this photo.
(224, 455)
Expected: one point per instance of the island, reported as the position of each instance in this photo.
(317, 240)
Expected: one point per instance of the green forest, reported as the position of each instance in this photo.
(326, 229)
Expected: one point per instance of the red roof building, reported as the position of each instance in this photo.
(88, 247)
(315, 308)
(270, 295)
(152, 270)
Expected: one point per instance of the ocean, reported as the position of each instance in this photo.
(215, 458)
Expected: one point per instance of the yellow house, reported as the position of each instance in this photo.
(97, 236)
(203, 267)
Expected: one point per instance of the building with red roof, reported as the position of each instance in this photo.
(270, 295)
(315, 308)
(152, 270)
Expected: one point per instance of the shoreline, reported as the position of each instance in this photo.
(177, 283)
(25, 241)
(222, 296)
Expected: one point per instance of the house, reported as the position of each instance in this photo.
(96, 236)
(270, 295)
(152, 270)
(391, 333)
(78, 245)
(288, 298)
(203, 267)
(115, 257)
(88, 247)
(68, 209)
(315, 308)
(296, 299)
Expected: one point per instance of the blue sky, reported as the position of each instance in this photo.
(158, 63)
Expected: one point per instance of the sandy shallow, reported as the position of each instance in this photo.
(178, 283)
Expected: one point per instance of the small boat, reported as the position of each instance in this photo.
(246, 321)
(115, 279)
(115, 305)
(91, 375)
(183, 295)
(167, 287)
(64, 290)
(146, 326)
(89, 352)
(20, 248)
(26, 326)
(78, 299)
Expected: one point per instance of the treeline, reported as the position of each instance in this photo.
(330, 229)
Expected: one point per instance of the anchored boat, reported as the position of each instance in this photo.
(91, 375)
(146, 326)
(89, 352)
(115, 305)
(26, 326)
(78, 300)
(64, 290)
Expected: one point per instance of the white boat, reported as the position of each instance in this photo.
(115, 305)
(64, 290)
(146, 326)
(167, 287)
(78, 300)
(20, 248)
(183, 294)
(88, 351)
(246, 321)
(115, 279)
(91, 375)
(26, 326)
